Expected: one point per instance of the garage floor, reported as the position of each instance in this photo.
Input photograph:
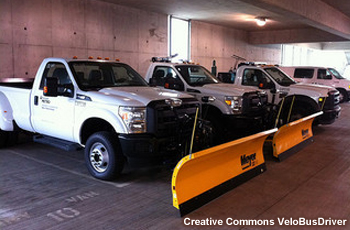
(47, 188)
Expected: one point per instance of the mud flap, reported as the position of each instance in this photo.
(292, 137)
(203, 176)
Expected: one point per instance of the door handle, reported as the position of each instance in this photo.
(36, 100)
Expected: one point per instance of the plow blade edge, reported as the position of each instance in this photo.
(292, 137)
(206, 175)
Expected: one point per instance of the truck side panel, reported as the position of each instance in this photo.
(16, 103)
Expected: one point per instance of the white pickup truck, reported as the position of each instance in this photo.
(320, 76)
(308, 98)
(233, 111)
(104, 106)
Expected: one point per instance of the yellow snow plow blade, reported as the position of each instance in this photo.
(293, 136)
(202, 176)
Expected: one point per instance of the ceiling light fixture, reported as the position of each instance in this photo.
(260, 21)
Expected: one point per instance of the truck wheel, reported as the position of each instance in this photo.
(3, 138)
(12, 138)
(343, 95)
(103, 156)
(297, 113)
(217, 132)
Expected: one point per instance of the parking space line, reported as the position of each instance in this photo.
(115, 184)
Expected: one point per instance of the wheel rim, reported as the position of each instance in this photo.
(99, 158)
(341, 96)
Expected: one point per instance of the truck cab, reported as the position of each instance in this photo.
(233, 111)
(304, 98)
(320, 76)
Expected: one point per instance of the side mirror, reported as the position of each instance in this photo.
(153, 82)
(172, 83)
(265, 85)
(50, 87)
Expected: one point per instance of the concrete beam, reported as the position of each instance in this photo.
(307, 35)
(314, 13)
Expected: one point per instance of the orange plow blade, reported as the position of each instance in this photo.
(293, 136)
(203, 176)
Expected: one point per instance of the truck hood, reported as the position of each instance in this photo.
(133, 96)
(223, 89)
(311, 89)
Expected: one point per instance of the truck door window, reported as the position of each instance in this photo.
(253, 77)
(324, 74)
(303, 73)
(163, 74)
(59, 71)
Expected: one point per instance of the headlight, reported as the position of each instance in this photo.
(134, 118)
(235, 103)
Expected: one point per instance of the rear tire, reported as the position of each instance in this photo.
(3, 138)
(103, 156)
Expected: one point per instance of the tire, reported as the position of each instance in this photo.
(3, 138)
(12, 138)
(343, 95)
(298, 112)
(217, 130)
(103, 156)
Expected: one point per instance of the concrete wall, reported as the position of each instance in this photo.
(209, 42)
(35, 29)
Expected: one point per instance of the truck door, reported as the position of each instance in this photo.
(166, 77)
(324, 77)
(258, 79)
(54, 116)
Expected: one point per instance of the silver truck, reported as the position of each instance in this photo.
(233, 111)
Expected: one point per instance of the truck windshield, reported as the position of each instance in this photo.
(280, 77)
(196, 75)
(336, 73)
(92, 75)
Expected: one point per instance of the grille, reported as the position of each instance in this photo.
(164, 121)
(254, 102)
(332, 101)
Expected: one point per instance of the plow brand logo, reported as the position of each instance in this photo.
(305, 133)
(248, 160)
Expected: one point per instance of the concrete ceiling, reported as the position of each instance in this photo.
(322, 22)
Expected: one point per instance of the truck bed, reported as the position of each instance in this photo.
(23, 83)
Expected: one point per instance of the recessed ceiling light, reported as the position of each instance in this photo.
(260, 21)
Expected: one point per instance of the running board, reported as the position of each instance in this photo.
(58, 143)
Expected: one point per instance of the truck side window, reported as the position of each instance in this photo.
(162, 74)
(57, 70)
(323, 74)
(253, 77)
(303, 73)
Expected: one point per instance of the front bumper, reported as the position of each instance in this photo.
(238, 126)
(329, 115)
(147, 149)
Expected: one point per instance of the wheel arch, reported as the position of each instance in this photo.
(300, 100)
(94, 125)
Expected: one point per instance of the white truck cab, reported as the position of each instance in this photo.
(104, 106)
(320, 76)
(308, 98)
(232, 110)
